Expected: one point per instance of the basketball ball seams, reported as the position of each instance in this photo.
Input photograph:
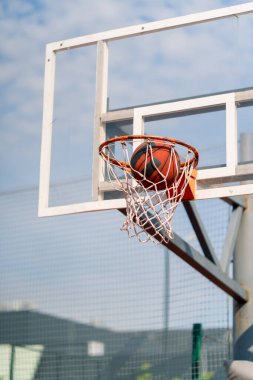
(171, 169)
(174, 165)
(160, 170)
(137, 155)
(143, 150)
(151, 166)
(155, 165)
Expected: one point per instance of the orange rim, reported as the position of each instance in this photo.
(194, 160)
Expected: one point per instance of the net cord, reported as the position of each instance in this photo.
(150, 206)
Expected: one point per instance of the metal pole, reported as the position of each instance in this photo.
(197, 335)
(166, 300)
(243, 268)
(12, 362)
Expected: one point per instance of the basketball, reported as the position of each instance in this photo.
(155, 163)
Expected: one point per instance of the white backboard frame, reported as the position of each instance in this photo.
(137, 114)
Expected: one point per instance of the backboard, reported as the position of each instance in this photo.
(187, 77)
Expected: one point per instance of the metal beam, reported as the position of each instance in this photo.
(201, 233)
(100, 107)
(243, 267)
(231, 237)
(156, 26)
(235, 201)
(204, 266)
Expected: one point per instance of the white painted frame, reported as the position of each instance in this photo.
(228, 100)
(101, 116)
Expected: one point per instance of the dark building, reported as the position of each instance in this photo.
(64, 349)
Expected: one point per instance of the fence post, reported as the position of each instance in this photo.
(243, 267)
(197, 334)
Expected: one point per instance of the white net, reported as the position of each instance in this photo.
(153, 173)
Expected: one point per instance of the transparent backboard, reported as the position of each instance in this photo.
(188, 78)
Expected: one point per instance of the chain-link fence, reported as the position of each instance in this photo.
(79, 300)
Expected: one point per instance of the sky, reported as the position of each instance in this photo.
(170, 68)
(26, 26)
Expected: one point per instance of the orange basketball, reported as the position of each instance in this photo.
(155, 163)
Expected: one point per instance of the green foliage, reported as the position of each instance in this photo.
(144, 376)
(208, 375)
(145, 373)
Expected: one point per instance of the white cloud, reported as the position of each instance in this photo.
(26, 27)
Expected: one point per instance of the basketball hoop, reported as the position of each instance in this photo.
(155, 175)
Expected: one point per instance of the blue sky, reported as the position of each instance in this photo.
(31, 261)
(27, 25)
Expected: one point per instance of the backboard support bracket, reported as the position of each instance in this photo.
(209, 265)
